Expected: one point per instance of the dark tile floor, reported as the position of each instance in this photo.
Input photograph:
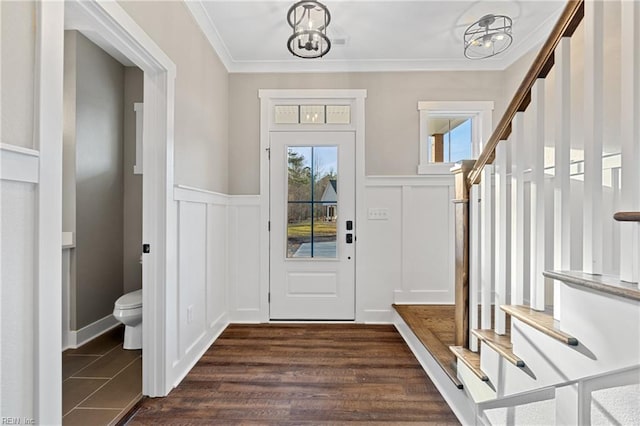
(101, 381)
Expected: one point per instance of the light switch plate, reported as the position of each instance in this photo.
(378, 213)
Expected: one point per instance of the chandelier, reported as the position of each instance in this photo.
(309, 20)
(487, 37)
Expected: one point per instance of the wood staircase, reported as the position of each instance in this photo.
(526, 353)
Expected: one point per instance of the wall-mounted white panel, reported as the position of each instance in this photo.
(244, 262)
(379, 248)
(192, 249)
(408, 258)
(17, 280)
(199, 298)
(216, 294)
(427, 245)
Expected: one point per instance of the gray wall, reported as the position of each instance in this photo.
(132, 270)
(99, 197)
(392, 118)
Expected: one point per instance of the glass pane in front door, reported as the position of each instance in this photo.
(312, 201)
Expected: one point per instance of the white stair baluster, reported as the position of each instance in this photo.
(630, 135)
(474, 263)
(486, 241)
(517, 209)
(592, 252)
(562, 183)
(501, 233)
(537, 250)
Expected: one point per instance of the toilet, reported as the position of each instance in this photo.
(128, 310)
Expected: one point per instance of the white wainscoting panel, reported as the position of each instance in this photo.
(17, 278)
(192, 274)
(409, 256)
(217, 244)
(379, 248)
(244, 262)
(199, 313)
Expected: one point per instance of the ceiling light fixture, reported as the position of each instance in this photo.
(487, 37)
(309, 20)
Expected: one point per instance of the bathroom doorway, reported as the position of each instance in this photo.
(102, 218)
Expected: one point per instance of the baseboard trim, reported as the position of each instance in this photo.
(78, 338)
(201, 346)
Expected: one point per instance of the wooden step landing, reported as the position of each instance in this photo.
(540, 321)
(604, 283)
(471, 360)
(499, 343)
(433, 326)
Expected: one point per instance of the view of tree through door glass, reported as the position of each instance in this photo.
(450, 138)
(312, 201)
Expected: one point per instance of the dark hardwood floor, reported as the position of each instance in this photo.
(302, 374)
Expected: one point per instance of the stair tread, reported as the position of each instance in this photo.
(470, 359)
(540, 321)
(430, 341)
(627, 216)
(605, 283)
(499, 343)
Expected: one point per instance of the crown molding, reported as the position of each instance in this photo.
(325, 65)
(204, 21)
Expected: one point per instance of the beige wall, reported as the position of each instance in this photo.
(18, 62)
(132, 239)
(201, 111)
(392, 126)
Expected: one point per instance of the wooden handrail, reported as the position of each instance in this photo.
(566, 25)
(627, 216)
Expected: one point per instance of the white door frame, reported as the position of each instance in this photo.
(268, 99)
(117, 33)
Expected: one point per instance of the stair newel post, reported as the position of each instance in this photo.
(461, 171)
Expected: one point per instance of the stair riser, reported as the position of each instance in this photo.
(476, 388)
(608, 325)
(506, 377)
(553, 362)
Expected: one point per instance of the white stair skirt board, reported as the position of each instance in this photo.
(85, 334)
(457, 399)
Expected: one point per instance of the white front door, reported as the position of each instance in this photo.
(312, 238)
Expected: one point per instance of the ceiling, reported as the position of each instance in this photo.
(250, 36)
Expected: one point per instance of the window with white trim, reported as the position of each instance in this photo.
(451, 131)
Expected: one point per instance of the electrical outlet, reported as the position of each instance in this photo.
(190, 314)
(378, 213)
